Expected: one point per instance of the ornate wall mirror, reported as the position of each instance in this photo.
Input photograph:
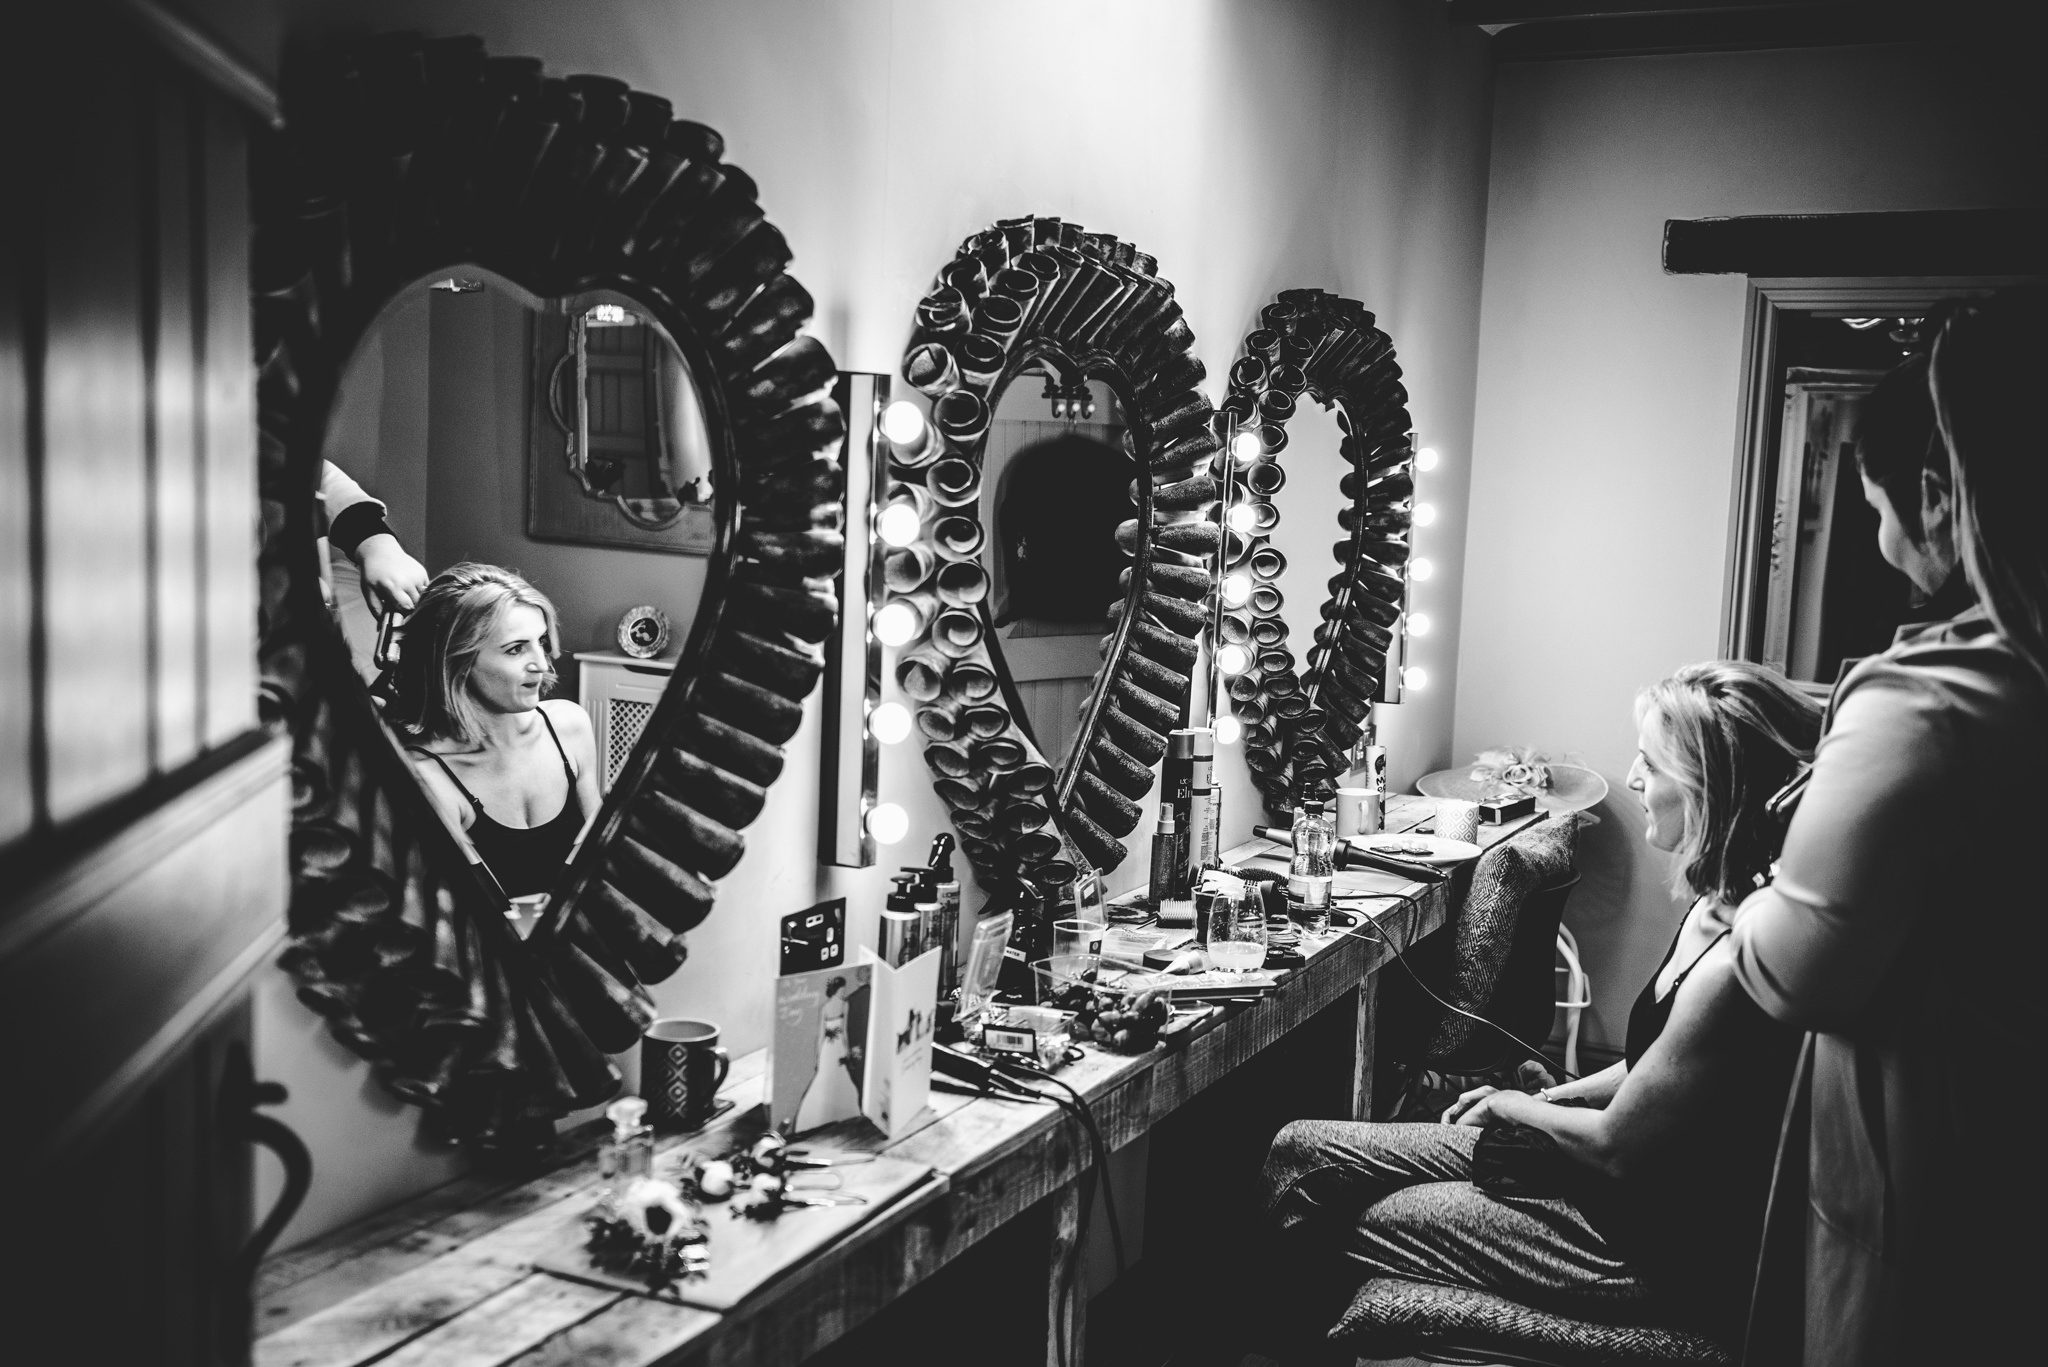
(620, 453)
(406, 161)
(1091, 322)
(1807, 589)
(1302, 697)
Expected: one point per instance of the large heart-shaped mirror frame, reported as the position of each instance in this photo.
(1301, 724)
(1089, 306)
(402, 158)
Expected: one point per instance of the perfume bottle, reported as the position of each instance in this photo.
(627, 1156)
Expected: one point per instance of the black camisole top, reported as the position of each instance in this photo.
(1692, 1217)
(524, 859)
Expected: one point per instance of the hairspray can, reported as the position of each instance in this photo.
(1204, 808)
(1177, 783)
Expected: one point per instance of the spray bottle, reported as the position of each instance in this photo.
(946, 928)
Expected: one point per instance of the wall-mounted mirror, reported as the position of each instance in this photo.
(433, 415)
(1807, 589)
(1303, 696)
(621, 454)
(1033, 312)
(1056, 485)
(407, 161)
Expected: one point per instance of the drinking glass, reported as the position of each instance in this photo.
(1075, 937)
(1237, 933)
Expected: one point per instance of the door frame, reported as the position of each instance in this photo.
(1753, 498)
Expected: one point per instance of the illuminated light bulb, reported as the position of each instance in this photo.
(1426, 458)
(1424, 514)
(1419, 570)
(888, 823)
(889, 722)
(897, 524)
(1233, 659)
(1245, 447)
(1243, 518)
(1229, 730)
(1237, 590)
(1415, 677)
(1419, 624)
(902, 422)
(896, 624)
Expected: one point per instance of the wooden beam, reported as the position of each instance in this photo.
(1808, 23)
(1932, 242)
(1550, 11)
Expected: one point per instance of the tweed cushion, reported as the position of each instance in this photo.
(1392, 1317)
(1465, 968)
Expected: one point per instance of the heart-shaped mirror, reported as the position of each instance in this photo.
(1076, 501)
(409, 162)
(1301, 720)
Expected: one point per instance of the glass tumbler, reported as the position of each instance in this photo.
(1237, 933)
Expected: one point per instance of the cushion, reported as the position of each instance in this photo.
(1393, 1317)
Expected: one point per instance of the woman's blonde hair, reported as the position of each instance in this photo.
(1731, 733)
(455, 619)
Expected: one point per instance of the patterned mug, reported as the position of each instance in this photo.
(682, 1067)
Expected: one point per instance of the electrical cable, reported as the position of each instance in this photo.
(1101, 1151)
(1380, 937)
(994, 1080)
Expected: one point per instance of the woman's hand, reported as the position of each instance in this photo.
(1455, 1113)
(391, 578)
(1495, 1108)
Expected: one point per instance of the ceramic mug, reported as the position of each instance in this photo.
(1358, 812)
(682, 1066)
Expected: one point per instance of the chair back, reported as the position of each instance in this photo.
(1495, 959)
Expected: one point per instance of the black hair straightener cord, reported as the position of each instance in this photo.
(1370, 931)
(988, 1079)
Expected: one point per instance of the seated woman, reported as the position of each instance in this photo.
(516, 772)
(1645, 1202)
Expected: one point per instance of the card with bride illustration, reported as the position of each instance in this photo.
(817, 1060)
(853, 1040)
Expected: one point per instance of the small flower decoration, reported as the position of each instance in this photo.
(654, 1234)
(1513, 767)
(655, 1210)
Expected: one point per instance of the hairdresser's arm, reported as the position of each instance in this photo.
(1811, 948)
(1693, 1065)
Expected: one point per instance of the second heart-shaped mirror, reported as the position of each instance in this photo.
(1049, 586)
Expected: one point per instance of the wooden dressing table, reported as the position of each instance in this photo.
(449, 1278)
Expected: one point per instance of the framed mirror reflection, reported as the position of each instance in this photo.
(439, 782)
(1056, 485)
(1808, 590)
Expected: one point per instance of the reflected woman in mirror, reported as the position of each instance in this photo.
(1635, 1194)
(515, 770)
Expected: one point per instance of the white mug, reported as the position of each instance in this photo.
(1358, 812)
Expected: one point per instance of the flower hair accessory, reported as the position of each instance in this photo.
(1512, 769)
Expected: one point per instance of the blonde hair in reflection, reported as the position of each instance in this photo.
(456, 617)
(1731, 733)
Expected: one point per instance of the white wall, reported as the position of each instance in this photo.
(1251, 145)
(1605, 433)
